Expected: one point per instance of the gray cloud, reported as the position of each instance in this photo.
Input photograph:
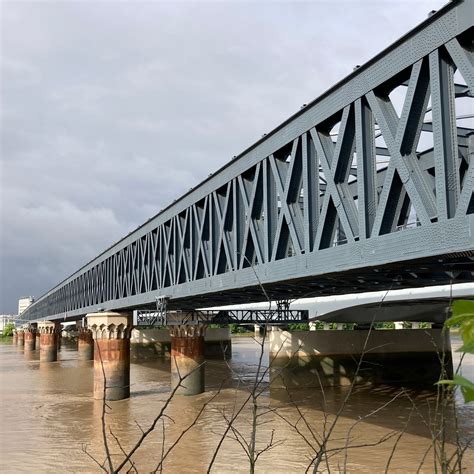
(112, 110)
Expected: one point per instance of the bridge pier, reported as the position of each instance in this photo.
(15, 337)
(111, 335)
(20, 337)
(187, 358)
(398, 357)
(29, 331)
(48, 340)
(85, 343)
(151, 343)
(59, 337)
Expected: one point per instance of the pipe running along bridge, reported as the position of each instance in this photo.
(370, 186)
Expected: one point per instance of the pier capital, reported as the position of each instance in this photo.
(110, 325)
(30, 328)
(188, 330)
(48, 327)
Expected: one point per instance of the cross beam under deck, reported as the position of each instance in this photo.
(235, 316)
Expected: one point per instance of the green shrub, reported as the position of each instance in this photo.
(298, 327)
(463, 317)
(236, 329)
(424, 325)
(8, 329)
(384, 325)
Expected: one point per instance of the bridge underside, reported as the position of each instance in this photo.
(446, 269)
(432, 311)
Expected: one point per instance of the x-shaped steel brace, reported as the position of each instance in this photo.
(292, 219)
(330, 156)
(394, 131)
(221, 217)
(182, 258)
(250, 224)
(200, 228)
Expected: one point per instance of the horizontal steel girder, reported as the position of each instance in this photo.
(339, 198)
(229, 316)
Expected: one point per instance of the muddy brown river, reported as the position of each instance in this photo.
(48, 420)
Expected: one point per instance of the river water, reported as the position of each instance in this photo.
(49, 421)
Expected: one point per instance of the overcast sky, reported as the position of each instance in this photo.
(109, 111)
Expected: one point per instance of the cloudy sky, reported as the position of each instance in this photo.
(110, 110)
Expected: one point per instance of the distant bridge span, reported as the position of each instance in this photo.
(347, 195)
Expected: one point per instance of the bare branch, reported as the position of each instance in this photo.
(163, 437)
(362, 418)
(101, 466)
(186, 430)
(155, 421)
(399, 437)
(104, 407)
(121, 448)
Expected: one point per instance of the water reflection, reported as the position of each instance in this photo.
(49, 417)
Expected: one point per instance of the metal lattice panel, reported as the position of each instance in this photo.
(343, 196)
(235, 316)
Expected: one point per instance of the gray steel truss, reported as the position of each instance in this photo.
(354, 192)
(228, 316)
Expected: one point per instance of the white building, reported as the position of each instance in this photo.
(24, 302)
(5, 319)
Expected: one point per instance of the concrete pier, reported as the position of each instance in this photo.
(402, 356)
(20, 337)
(48, 340)
(111, 335)
(152, 343)
(85, 344)
(15, 337)
(187, 358)
(30, 337)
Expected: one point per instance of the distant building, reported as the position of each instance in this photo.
(24, 302)
(5, 319)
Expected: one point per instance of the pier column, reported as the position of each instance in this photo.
(48, 340)
(111, 335)
(85, 343)
(59, 337)
(187, 358)
(395, 357)
(29, 332)
(20, 337)
(15, 337)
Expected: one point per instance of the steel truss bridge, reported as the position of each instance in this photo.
(357, 191)
(228, 316)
